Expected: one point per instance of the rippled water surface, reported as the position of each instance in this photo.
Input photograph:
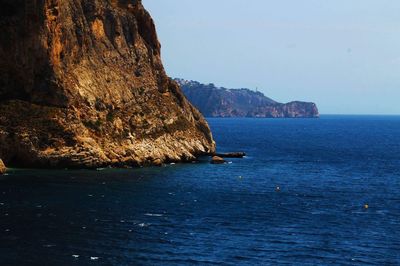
(326, 169)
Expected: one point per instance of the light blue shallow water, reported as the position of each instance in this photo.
(327, 170)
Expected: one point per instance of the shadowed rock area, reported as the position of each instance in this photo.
(221, 102)
(82, 85)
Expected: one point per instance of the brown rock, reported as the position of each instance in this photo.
(157, 162)
(3, 168)
(217, 160)
(82, 85)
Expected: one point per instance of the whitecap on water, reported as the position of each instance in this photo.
(75, 256)
(143, 225)
(154, 214)
(94, 258)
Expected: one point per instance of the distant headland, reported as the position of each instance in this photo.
(214, 101)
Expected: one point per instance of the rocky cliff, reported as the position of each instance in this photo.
(3, 168)
(82, 85)
(221, 102)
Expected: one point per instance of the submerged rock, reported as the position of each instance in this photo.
(3, 168)
(217, 160)
(82, 85)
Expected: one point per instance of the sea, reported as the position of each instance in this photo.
(309, 192)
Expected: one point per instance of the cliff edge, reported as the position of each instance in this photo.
(82, 85)
(213, 101)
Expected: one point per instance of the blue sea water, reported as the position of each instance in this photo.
(326, 169)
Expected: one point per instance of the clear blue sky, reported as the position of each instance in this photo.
(342, 54)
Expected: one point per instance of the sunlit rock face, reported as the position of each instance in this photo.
(3, 168)
(82, 85)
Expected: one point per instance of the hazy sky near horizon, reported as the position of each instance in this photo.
(344, 55)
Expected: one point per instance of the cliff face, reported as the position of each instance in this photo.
(82, 84)
(221, 102)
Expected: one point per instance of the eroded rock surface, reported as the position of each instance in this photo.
(82, 85)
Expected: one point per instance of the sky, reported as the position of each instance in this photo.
(343, 55)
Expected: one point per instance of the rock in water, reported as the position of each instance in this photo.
(82, 85)
(3, 168)
(217, 160)
(230, 155)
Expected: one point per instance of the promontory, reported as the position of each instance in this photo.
(215, 101)
(82, 85)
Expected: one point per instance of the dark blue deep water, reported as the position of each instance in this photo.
(327, 170)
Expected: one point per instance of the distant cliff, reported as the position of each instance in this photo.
(82, 85)
(221, 102)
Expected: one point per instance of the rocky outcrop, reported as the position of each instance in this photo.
(217, 160)
(82, 85)
(230, 155)
(3, 168)
(221, 102)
